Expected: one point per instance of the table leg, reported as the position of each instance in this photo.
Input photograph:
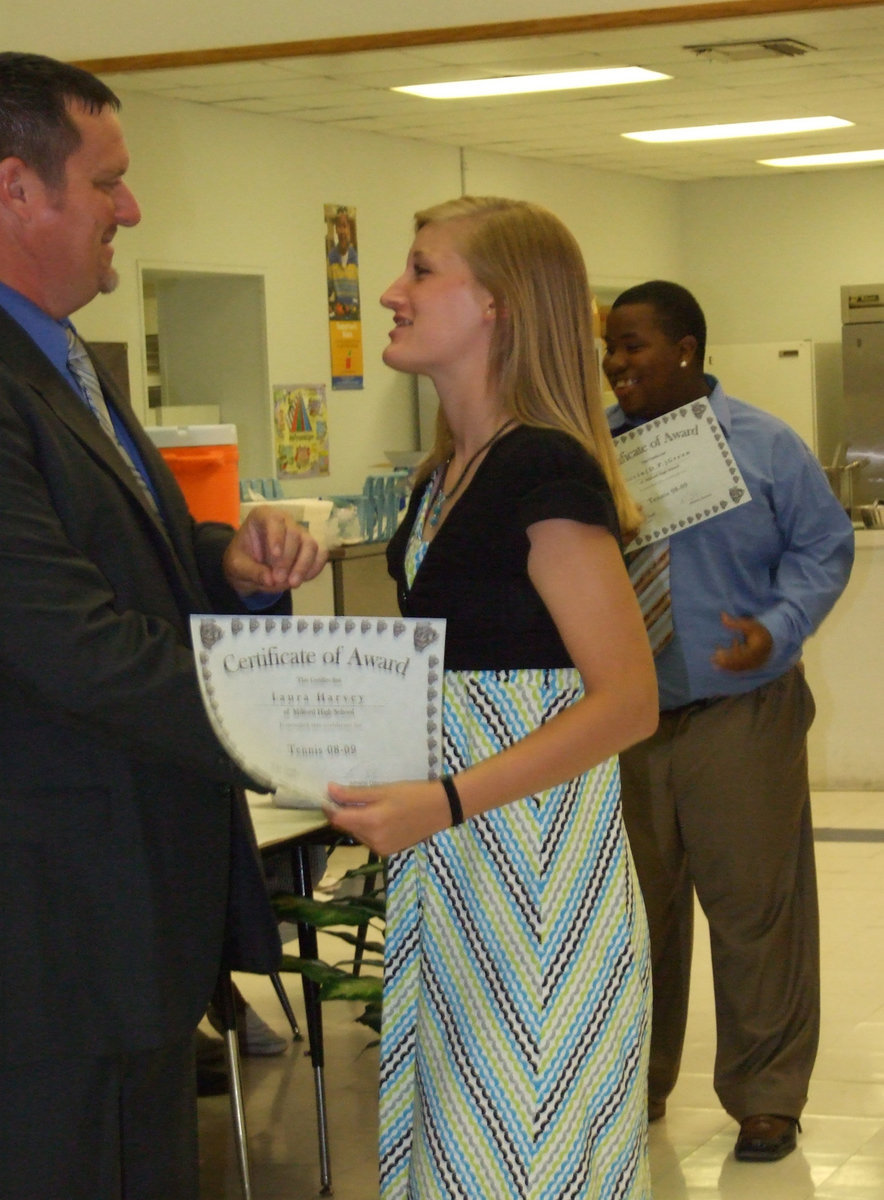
(307, 945)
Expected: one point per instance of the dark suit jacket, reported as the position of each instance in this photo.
(124, 846)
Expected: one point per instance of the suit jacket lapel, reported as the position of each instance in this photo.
(176, 528)
(28, 363)
(31, 367)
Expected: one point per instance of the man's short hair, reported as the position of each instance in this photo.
(35, 124)
(675, 308)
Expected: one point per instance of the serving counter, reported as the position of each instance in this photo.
(845, 669)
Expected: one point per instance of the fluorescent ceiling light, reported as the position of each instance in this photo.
(741, 129)
(513, 85)
(825, 160)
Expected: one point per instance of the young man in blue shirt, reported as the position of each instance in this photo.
(718, 799)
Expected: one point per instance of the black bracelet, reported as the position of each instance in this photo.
(453, 800)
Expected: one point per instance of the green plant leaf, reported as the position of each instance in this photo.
(323, 913)
(372, 1018)
(337, 917)
(367, 869)
(353, 939)
(376, 964)
(313, 968)
(352, 987)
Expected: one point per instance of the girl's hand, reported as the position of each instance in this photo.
(389, 816)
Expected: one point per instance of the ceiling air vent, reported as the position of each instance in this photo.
(745, 51)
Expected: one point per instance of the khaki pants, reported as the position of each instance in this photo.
(718, 801)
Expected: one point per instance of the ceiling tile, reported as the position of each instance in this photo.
(843, 74)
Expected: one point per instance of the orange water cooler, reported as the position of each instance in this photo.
(205, 461)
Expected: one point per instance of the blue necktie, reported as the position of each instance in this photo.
(80, 365)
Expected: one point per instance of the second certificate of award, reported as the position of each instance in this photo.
(300, 701)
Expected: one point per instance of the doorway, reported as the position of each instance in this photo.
(206, 347)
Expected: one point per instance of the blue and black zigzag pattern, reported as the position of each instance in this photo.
(517, 982)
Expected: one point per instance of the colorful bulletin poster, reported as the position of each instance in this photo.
(344, 321)
(300, 430)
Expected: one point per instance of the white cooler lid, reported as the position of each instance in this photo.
(191, 435)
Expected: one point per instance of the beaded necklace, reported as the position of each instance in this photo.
(440, 497)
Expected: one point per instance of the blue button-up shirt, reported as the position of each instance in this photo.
(48, 333)
(783, 558)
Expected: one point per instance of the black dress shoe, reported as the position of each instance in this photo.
(766, 1138)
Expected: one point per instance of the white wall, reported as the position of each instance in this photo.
(628, 227)
(233, 191)
(242, 192)
(767, 256)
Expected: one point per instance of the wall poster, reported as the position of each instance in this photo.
(344, 321)
(300, 430)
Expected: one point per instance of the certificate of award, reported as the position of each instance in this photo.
(300, 701)
(680, 471)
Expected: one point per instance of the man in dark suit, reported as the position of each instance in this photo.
(127, 873)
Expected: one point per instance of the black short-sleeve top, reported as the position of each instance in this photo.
(475, 571)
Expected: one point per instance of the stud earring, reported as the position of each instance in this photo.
(683, 363)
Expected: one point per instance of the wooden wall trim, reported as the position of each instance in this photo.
(542, 26)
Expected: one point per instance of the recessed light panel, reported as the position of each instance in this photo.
(845, 159)
(740, 129)
(513, 85)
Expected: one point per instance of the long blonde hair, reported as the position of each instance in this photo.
(542, 359)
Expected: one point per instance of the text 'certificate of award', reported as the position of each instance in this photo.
(301, 701)
(679, 470)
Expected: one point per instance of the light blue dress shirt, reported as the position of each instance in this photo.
(48, 333)
(783, 558)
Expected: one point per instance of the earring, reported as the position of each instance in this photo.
(683, 363)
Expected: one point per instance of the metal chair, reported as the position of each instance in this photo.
(225, 1006)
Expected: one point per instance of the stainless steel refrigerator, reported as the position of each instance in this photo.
(862, 349)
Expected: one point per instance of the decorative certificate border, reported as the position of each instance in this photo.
(680, 470)
(290, 698)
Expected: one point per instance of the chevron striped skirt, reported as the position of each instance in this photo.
(517, 982)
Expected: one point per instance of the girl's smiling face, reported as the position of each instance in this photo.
(443, 317)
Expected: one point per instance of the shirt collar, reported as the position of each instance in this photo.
(618, 421)
(45, 331)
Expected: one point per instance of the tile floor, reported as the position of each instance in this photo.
(841, 1152)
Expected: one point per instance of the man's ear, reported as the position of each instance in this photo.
(17, 182)
(687, 348)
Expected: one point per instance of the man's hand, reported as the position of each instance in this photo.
(271, 552)
(749, 650)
